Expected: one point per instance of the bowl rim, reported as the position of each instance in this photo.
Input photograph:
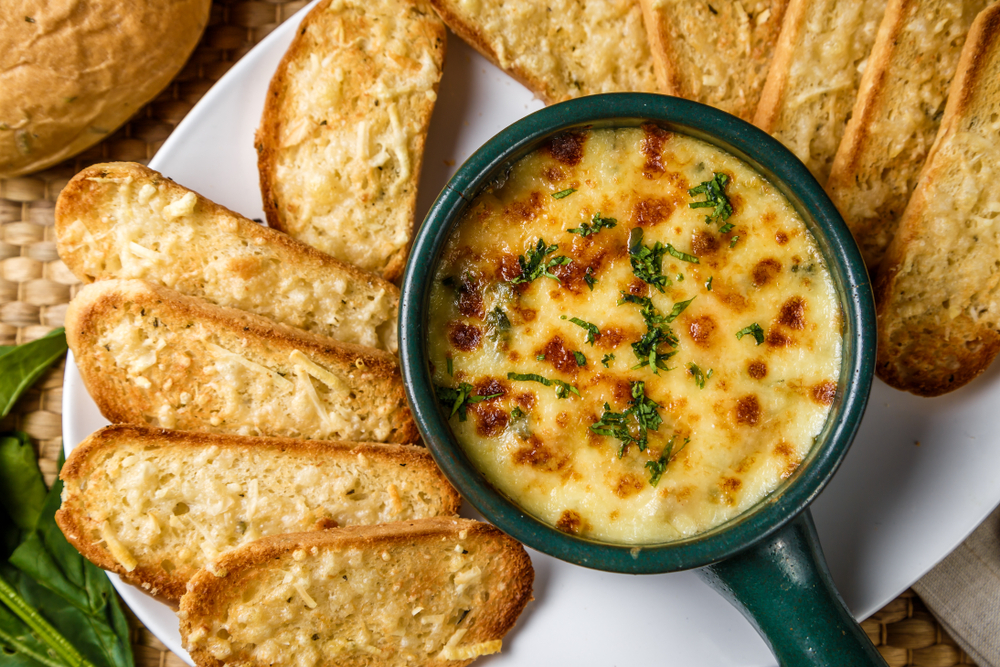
(769, 158)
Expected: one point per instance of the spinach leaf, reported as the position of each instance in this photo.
(21, 366)
(22, 489)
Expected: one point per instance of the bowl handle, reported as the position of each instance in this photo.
(783, 586)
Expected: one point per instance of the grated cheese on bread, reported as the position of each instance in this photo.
(938, 288)
(896, 115)
(432, 592)
(149, 355)
(813, 81)
(342, 135)
(156, 506)
(715, 53)
(559, 49)
(123, 220)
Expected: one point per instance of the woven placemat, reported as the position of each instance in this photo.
(35, 287)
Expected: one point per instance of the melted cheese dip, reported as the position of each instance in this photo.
(729, 420)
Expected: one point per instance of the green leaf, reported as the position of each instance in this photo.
(22, 489)
(683, 256)
(596, 224)
(20, 367)
(563, 193)
(753, 330)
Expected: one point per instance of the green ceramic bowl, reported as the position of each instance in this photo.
(771, 547)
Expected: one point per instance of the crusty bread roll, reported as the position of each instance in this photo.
(938, 288)
(559, 49)
(156, 506)
(72, 72)
(123, 220)
(150, 355)
(341, 139)
(715, 53)
(427, 593)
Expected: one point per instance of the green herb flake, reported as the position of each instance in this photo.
(592, 330)
(596, 224)
(28, 19)
(517, 413)
(497, 322)
(580, 359)
(752, 330)
(534, 265)
(732, 244)
(679, 308)
(607, 359)
(683, 256)
(563, 193)
(633, 424)
(588, 277)
(680, 277)
(708, 285)
(726, 228)
(715, 198)
(563, 389)
(539, 357)
(647, 261)
(658, 467)
(699, 375)
(459, 400)
(451, 365)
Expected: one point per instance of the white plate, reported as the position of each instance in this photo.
(920, 477)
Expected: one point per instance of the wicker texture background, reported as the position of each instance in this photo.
(35, 287)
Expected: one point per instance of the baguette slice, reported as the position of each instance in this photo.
(149, 355)
(561, 49)
(341, 140)
(156, 506)
(715, 53)
(814, 77)
(123, 220)
(938, 289)
(425, 593)
(897, 115)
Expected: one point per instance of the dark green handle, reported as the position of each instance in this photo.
(783, 587)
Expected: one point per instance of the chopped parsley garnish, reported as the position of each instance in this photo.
(752, 330)
(563, 193)
(680, 277)
(726, 228)
(683, 256)
(592, 330)
(539, 357)
(562, 388)
(588, 277)
(459, 399)
(715, 198)
(678, 309)
(708, 285)
(647, 261)
(647, 349)
(596, 224)
(517, 413)
(534, 265)
(607, 358)
(658, 467)
(451, 365)
(580, 359)
(699, 375)
(634, 423)
(732, 244)
(497, 322)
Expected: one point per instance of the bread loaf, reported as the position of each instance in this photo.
(715, 53)
(123, 220)
(149, 355)
(896, 115)
(938, 289)
(72, 72)
(341, 140)
(156, 506)
(429, 593)
(560, 49)
(814, 77)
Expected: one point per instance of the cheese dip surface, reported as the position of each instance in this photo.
(621, 364)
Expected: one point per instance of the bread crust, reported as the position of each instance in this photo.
(209, 594)
(79, 526)
(929, 341)
(268, 140)
(87, 213)
(103, 304)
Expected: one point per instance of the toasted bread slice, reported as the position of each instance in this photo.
(562, 49)
(715, 53)
(896, 115)
(123, 220)
(432, 592)
(938, 289)
(814, 77)
(341, 140)
(149, 355)
(156, 506)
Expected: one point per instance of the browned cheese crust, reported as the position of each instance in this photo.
(508, 577)
(76, 516)
(100, 310)
(936, 289)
